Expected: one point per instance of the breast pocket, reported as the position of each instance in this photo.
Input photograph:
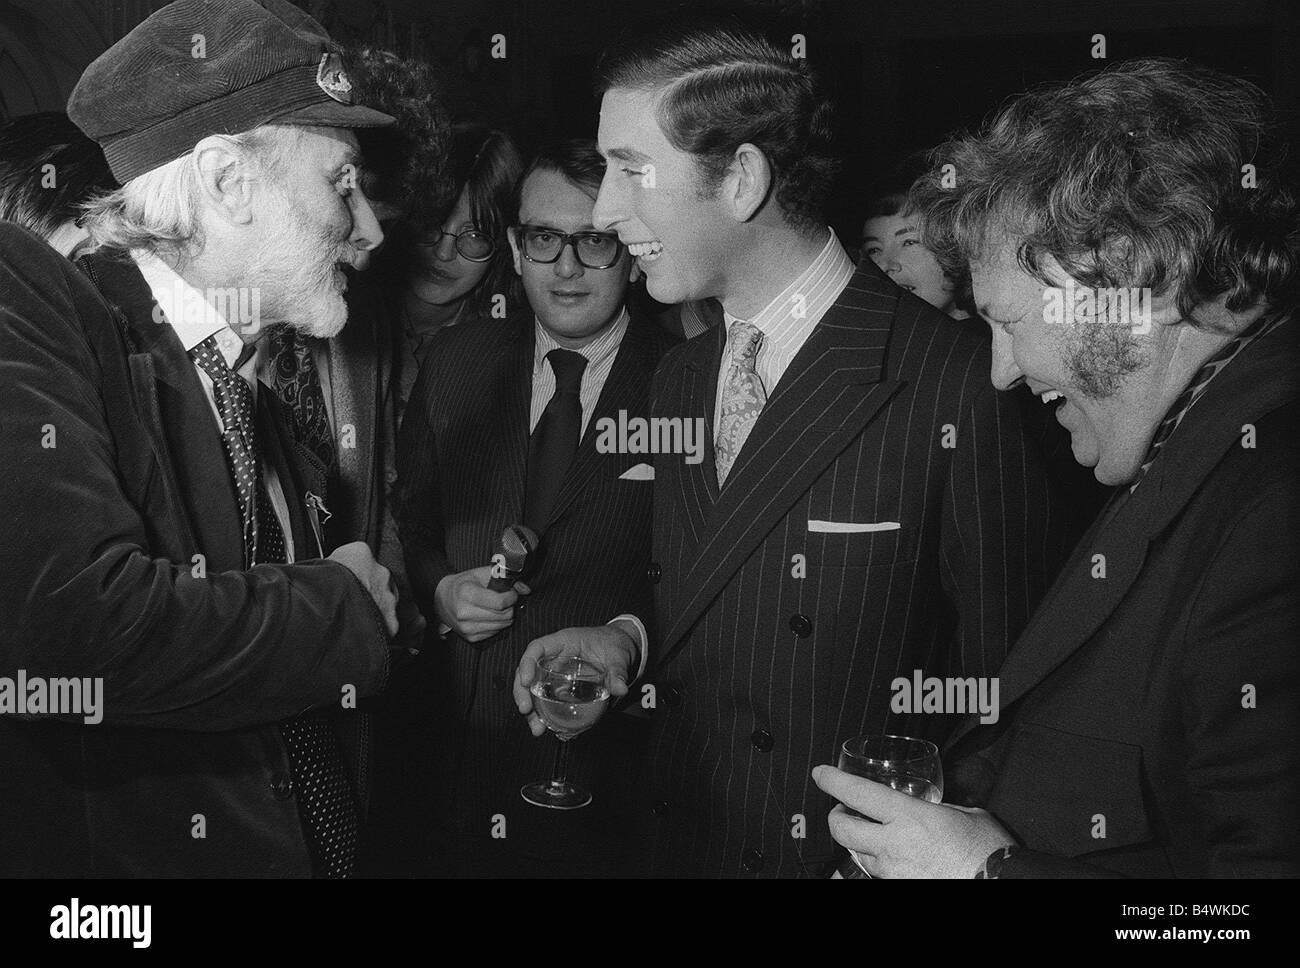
(837, 544)
(1068, 794)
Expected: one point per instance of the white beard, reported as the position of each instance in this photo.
(297, 269)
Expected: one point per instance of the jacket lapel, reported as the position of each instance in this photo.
(698, 483)
(1258, 381)
(350, 359)
(830, 392)
(175, 411)
(624, 389)
(508, 422)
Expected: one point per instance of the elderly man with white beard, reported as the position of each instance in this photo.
(161, 520)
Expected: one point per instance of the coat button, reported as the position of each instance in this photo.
(281, 786)
(751, 860)
(659, 808)
(654, 572)
(390, 476)
(762, 740)
(801, 625)
(672, 697)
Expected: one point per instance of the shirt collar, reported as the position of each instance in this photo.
(775, 320)
(190, 313)
(596, 351)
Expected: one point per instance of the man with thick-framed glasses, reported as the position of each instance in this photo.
(503, 427)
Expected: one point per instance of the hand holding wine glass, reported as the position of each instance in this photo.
(607, 646)
(901, 835)
(570, 695)
(911, 766)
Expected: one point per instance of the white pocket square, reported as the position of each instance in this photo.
(641, 472)
(849, 527)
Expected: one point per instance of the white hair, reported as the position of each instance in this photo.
(159, 210)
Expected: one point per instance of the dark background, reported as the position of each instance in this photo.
(903, 72)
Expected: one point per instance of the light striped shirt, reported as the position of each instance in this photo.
(600, 354)
(789, 319)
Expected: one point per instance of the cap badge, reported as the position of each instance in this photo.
(333, 79)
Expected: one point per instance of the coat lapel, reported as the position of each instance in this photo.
(175, 410)
(625, 389)
(1258, 381)
(830, 392)
(698, 483)
(350, 359)
(508, 421)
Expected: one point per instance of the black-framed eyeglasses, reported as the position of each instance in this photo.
(472, 244)
(595, 250)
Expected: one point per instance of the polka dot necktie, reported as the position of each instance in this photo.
(263, 537)
(326, 802)
(743, 396)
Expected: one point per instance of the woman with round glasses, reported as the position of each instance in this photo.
(448, 271)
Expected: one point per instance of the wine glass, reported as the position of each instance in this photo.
(569, 694)
(909, 765)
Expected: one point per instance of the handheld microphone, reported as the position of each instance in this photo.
(518, 541)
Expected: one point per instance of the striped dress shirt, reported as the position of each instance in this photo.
(788, 320)
(600, 354)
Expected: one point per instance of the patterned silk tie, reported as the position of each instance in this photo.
(263, 537)
(555, 440)
(326, 803)
(296, 382)
(743, 396)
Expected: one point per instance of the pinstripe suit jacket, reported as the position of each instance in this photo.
(462, 459)
(779, 641)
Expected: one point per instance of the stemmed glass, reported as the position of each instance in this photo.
(909, 765)
(569, 694)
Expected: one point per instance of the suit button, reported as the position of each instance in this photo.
(390, 476)
(659, 808)
(521, 604)
(281, 786)
(499, 682)
(762, 740)
(751, 860)
(801, 625)
(654, 572)
(672, 697)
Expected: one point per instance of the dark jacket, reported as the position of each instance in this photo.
(462, 461)
(1152, 705)
(780, 636)
(101, 575)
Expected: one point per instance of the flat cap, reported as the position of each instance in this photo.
(202, 67)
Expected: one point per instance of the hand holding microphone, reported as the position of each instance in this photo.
(479, 602)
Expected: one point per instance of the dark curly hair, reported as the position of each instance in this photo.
(406, 163)
(1134, 176)
(725, 83)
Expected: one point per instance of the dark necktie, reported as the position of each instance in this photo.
(325, 800)
(263, 537)
(554, 442)
(297, 384)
